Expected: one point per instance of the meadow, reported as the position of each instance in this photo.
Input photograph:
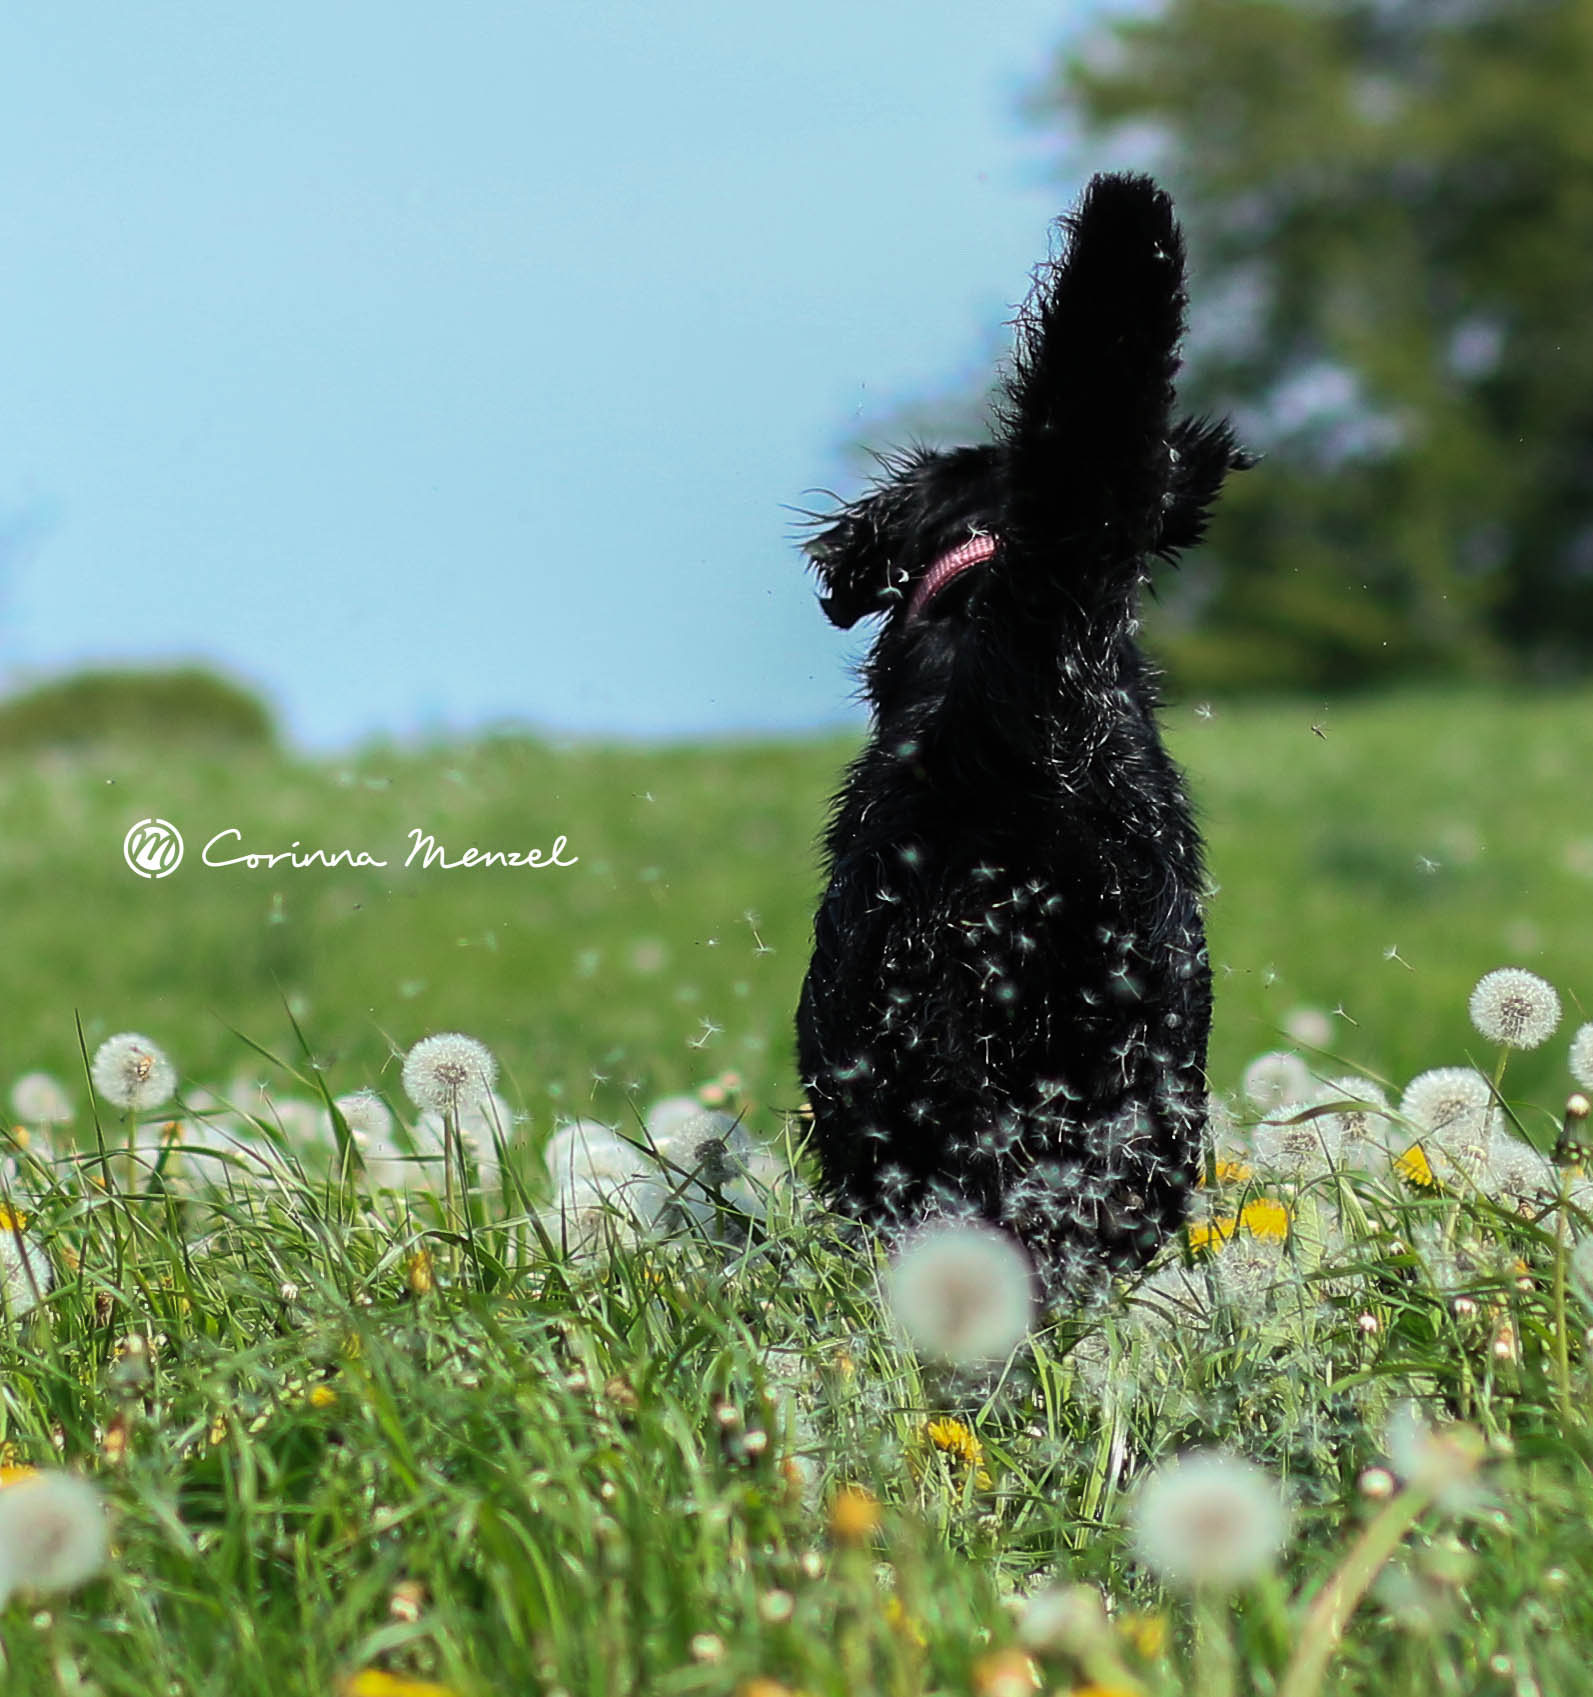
(377, 1445)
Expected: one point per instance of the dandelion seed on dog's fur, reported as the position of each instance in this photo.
(961, 1292)
(1582, 1057)
(38, 1101)
(131, 1072)
(1210, 1522)
(1515, 1007)
(53, 1534)
(449, 1073)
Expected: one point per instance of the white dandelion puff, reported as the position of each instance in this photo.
(1246, 1271)
(26, 1275)
(1446, 1098)
(1441, 1460)
(962, 1292)
(1360, 1125)
(367, 1116)
(1295, 1141)
(449, 1073)
(53, 1534)
(1516, 1172)
(1310, 1026)
(574, 1148)
(1210, 1522)
(669, 1112)
(1515, 1007)
(1582, 1057)
(39, 1102)
(1275, 1078)
(131, 1072)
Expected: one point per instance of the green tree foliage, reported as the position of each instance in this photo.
(149, 709)
(1390, 215)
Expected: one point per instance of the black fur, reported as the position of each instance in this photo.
(1008, 1003)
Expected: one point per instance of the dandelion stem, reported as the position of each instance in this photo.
(1562, 1341)
(1341, 1596)
(1214, 1658)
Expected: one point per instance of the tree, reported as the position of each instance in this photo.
(1390, 215)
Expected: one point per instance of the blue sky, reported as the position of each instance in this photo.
(429, 367)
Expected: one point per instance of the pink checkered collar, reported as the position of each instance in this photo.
(974, 552)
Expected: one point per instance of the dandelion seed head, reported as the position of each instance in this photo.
(1210, 1522)
(449, 1073)
(1514, 1171)
(1515, 1007)
(669, 1112)
(1582, 1056)
(1247, 1271)
(710, 1144)
(1360, 1125)
(26, 1274)
(1295, 1142)
(53, 1533)
(962, 1292)
(38, 1101)
(131, 1072)
(367, 1116)
(1446, 1099)
(1277, 1077)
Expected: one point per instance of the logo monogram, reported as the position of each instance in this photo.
(153, 848)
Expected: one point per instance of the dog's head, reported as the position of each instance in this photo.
(1089, 474)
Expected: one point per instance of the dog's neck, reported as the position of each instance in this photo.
(953, 563)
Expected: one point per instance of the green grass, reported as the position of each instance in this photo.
(535, 1475)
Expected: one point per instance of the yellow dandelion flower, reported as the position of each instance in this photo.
(373, 1682)
(1414, 1167)
(854, 1515)
(11, 1473)
(1103, 1691)
(420, 1272)
(1262, 1218)
(1225, 1171)
(957, 1441)
(898, 1619)
(1006, 1673)
(1145, 1631)
(11, 1220)
(1266, 1220)
(321, 1396)
(1213, 1233)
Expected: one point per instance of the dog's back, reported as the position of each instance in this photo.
(1009, 999)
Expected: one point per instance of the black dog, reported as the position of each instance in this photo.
(1007, 1008)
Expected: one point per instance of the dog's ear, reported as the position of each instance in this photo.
(1204, 451)
(1089, 402)
(854, 553)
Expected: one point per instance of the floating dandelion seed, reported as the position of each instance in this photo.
(962, 1292)
(25, 1271)
(449, 1073)
(130, 1072)
(38, 1101)
(1582, 1057)
(1515, 1007)
(1274, 1078)
(1210, 1522)
(53, 1534)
